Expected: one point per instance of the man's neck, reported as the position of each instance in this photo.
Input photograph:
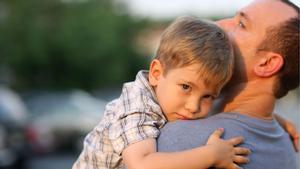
(249, 99)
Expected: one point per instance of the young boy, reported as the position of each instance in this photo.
(194, 61)
(192, 64)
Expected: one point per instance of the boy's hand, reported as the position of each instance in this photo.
(227, 155)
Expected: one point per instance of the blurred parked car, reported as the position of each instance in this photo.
(13, 113)
(60, 120)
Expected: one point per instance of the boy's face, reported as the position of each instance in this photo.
(181, 93)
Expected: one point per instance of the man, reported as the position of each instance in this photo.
(266, 37)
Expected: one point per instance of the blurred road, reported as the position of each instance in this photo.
(53, 161)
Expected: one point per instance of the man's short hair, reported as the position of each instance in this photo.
(189, 40)
(284, 40)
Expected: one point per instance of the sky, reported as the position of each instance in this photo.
(162, 9)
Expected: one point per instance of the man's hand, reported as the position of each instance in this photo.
(291, 129)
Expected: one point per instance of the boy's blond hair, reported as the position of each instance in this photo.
(189, 40)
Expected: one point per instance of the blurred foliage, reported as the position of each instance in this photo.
(68, 43)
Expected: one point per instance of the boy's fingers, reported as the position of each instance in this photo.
(234, 166)
(236, 140)
(240, 159)
(218, 132)
(241, 151)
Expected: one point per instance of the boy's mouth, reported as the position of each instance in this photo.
(182, 117)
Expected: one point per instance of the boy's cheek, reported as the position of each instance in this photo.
(205, 109)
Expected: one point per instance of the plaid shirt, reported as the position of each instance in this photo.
(133, 117)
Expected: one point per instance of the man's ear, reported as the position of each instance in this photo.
(268, 64)
(155, 72)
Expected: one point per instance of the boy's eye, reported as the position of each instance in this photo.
(208, 97)
(185, 87)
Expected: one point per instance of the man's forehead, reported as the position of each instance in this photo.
(271, 12)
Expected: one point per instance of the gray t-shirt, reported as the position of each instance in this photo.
(270, 144)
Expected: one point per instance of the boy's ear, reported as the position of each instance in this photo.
(268, 64)
(155, 72)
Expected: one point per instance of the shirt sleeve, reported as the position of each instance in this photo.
(133, 128)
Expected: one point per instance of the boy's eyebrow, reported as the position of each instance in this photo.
(187, 81)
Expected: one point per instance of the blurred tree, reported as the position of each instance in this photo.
(68, 43)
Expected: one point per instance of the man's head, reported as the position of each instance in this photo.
(189, 40)
(284, 40)
(266, 34)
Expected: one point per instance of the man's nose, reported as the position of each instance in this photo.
(226, 24)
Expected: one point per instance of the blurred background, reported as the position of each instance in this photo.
(61, 61)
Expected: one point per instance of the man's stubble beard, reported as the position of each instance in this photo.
(239, 75)
(234, 86)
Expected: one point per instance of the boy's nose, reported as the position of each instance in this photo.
(192, 106)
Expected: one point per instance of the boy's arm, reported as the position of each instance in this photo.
(290, 128)
(219, 153)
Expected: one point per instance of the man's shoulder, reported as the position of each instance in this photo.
(228, 119)
(192, 133)
(188, 134)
